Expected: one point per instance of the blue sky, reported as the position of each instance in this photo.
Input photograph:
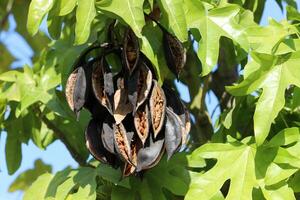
(56, 154)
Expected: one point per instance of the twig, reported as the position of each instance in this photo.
(60, 135)
(8, 11)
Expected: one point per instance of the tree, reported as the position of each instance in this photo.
(251, 152)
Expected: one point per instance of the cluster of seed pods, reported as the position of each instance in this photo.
(134, 119)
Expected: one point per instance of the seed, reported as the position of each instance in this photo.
(157, 108)
(142, 122)
(121, 142)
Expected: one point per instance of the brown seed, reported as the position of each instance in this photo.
(70, 89)
(131, 167)
(142, 122)
(157, 108)
(122, 143)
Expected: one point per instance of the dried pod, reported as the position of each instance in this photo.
(142, 122)
(151, 154)
(139, 86)
(131, 50)
(175, 104)
(144, 84)
(122, 105)
(131, 167)
(173, 132)
(102, 84)
(94, 143)
(122, 143)
(76, 87)
(175, 53)
(157, 108)
(107, 136)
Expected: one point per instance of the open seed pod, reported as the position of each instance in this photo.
(173, 132)
(122, 105)
(157, 108)
(102, 83)
(131, 51)
(76, 90)
(175, 53)
(122, 142)
(150, 154)
(139, 86)
(95, 145)
(130, 168)
(142, 122)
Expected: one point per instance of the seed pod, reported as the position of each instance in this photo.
(175, 104)
(107, 136)
(142, 122)
(94, 143)
(76, 90)
(131, 167)
(139, 86)
(150, 155)
(102, 83)
(131, 51)
(144, 84)
(175, 53)
(122, 105)
(157, 108)
(122, 144)
(173, 132)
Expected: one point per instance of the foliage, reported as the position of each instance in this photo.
(250, 152)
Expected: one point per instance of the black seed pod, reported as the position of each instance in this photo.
(95, 145)
(150, 155)
(173, 132)
(76, 90)
(102, 84)
(131, 51)
(175, 53)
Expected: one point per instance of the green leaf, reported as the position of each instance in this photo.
(273, 75)
(246, 166)
(66, 6)
(37, 10)
(85, 14)
(152, 47)
(292, 13)
(213, 24)
(6, 58)
(129, 11)
(119, 193)
(266, 39)
(13, 151)
(173, 16)
(39, 187)
(24, 180)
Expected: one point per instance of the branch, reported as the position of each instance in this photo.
(60, 135)
(8, 11)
